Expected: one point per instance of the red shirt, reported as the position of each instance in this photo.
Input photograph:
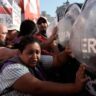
(43, 39)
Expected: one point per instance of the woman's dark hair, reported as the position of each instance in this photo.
(25, 41)
(27, 27)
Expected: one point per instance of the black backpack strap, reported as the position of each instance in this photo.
(7, 90)
(38, 71)
(1, 63)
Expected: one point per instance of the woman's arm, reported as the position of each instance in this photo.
(6, 53)
(30, 84)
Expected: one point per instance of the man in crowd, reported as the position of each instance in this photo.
(11, 35)
(48, 44)
(3, 34)
(5, 52)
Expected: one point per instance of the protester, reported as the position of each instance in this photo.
(42, 24)
(48, 44)
(24, 74)
(3, 34)
(5, 52)
(11, 35)
(27, 27)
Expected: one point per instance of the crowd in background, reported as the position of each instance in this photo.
(33, 64)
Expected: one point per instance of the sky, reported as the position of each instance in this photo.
(50, 6)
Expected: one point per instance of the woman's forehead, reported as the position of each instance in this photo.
(34, 45)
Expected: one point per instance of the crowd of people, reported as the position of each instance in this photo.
(28, 55)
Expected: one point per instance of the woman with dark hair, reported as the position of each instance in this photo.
(27, 28)
(23, 75)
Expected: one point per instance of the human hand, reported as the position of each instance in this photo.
(54, 34)
(80, 78)
(68, 51)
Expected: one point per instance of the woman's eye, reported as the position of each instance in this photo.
(30, 53)
(37, 52)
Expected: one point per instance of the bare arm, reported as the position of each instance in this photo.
(6, 53)
(30, 84)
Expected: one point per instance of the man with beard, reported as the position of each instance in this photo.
(42, 24)
(48, 44)
(3, 33)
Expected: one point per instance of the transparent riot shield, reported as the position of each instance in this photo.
(83, 36)
(51, 27)
(65, 24)
(83, 41)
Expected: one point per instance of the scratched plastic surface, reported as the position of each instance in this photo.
(83, 35)
(65, 24)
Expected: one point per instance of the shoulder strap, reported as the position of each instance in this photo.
(1, 64)
(6, 90)
(4, 64)
(37, 71)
